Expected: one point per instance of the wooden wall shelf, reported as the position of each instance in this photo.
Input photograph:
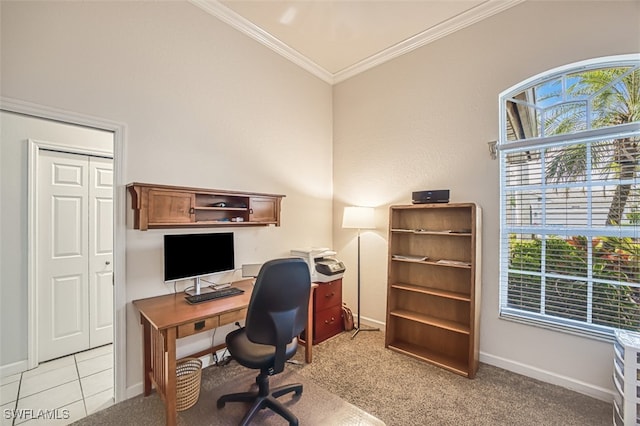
(433, 300)
(164, 206)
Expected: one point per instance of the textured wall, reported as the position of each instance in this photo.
(422, 121)
(203, 106)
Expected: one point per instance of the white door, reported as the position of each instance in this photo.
(100, 251)
(74, 256)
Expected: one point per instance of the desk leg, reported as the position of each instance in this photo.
(308, 343)
(146, 338)
(170, 362)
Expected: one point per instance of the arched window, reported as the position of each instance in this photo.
(570, 197)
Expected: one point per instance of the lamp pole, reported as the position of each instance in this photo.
(359, 218)
(359, 328)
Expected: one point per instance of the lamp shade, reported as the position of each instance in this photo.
(358, 217)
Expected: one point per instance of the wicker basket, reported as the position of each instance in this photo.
(188, 371)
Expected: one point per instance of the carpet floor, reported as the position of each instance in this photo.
(314, 406)
(403, 391)
(392, 387)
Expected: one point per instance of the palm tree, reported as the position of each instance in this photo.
(590, 99)
(615, 94)
(616, 100)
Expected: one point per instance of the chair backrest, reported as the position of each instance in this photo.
(278, 307)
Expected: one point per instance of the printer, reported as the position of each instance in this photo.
(323, 267)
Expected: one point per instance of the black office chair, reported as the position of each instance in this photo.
(277, 314)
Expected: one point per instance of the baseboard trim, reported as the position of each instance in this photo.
(371, 322)
(13, 368)
(597, 392)
(133, 391)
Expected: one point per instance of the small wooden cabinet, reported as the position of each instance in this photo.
(163, 206)
(327, 310)
(433, 298)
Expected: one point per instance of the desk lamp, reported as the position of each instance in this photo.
(359, 218)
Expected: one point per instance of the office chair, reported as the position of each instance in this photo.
(276, 315)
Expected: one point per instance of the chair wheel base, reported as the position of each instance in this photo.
(260, 402)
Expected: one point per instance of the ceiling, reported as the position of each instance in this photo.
(335, 40)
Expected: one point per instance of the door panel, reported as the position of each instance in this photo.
(62, 221)
(67, 292)
(103, 304)
(263, 209)
(101, 249)
(171, 207)
(67, 226)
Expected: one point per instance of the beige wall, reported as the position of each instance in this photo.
(207, 106)
(203, 106)
(423, 121)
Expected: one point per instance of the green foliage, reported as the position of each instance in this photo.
(566, 269)
(634, 216)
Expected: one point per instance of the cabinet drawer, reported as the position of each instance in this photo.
(328, 322)
(197, 327)
(328, 295)
(230, 317)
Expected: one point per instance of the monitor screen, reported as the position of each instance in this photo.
(196, 255)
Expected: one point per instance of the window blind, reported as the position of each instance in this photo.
(569, 244)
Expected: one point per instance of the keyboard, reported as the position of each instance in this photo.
(213, 295)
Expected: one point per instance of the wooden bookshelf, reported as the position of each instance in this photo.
(433, 299)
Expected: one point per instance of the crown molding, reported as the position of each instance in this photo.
(245, 26)
(469, 17)
(465, 19)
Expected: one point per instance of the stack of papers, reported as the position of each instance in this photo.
(410, 257)
(453, 262)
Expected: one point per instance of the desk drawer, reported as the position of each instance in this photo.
(230, 317)
(328, 323)
(197, 326)
(328, 295)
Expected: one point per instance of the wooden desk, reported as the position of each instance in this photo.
(167, 318)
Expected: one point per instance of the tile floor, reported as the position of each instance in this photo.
(60, 391)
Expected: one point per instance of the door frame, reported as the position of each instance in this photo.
(34, 148)
(119, 227)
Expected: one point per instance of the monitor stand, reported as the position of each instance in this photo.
(198, 289)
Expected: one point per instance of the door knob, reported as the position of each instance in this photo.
(107, 263)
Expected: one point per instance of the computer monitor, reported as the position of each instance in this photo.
(192, 256)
